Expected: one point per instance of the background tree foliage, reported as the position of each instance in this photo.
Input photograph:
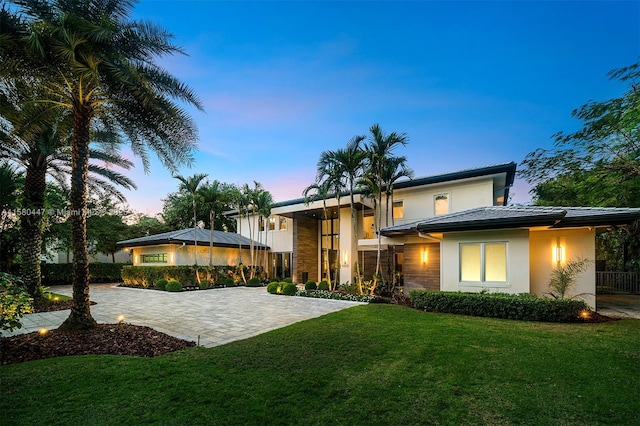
(598, 165)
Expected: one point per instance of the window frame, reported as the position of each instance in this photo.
(483, 265)
(159, 256)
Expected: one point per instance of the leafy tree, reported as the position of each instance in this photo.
(609, 140)
(598, 165)
(100, 66)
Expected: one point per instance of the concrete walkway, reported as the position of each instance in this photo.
(618, 305)
(215, 316)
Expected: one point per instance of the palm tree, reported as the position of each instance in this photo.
(320, 191)
(100, 66)
(263, 204)
(348, 163)
(330, 174)
(214, 195)
(379, 150)
(42, 148)
(190, 185)
(10, 184)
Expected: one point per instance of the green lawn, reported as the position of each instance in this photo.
(375, 364)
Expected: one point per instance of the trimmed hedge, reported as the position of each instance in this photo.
(144, 276)
(323, 285)
(62, 273)
(310, 285)
(523, 307)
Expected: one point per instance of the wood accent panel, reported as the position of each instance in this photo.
(418, 276)
(370, 257)
(305, 248)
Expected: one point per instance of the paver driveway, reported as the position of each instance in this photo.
(215, 317)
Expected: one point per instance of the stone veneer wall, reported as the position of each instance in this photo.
(305, 248)
(418, 276)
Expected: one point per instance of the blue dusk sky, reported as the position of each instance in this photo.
(471, 83)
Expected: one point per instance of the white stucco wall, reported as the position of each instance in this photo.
(517, 261)
(183, 255)
(279, 240)
(576, 243)
(467, 194)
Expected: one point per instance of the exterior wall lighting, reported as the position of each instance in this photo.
(425, 256)
(345, 258)
(558, 254)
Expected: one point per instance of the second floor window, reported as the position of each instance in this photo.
(398, 209)
(441, 204)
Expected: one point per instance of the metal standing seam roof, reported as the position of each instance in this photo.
(509, 217)
(220, 239)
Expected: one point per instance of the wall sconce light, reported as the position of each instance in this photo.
(558, 254)
(425, 256)
(345, 258)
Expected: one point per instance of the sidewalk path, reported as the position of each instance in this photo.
(215, 317)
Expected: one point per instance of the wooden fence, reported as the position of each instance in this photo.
(628, 282)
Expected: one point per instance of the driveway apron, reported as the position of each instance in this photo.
(210, 317)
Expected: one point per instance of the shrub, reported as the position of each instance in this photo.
(161, 284)
(323, 285)
(499, 305)
(61, 273)
(289, 289)
(204, 284)
(273, 287)
(288, 280)
(323, 294)
(228, 282)
(310, 285)
(173, 285)
(14, 301)
(254, 282)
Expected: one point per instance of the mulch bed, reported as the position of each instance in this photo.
(110, 339)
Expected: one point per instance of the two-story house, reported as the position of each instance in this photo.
(449, 232)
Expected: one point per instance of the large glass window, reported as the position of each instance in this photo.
(330, 247)
(280, 265)
(154, 258)
(283, 224)
(272, 223)
(483, 262)
(441, 204)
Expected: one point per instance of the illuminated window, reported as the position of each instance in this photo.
(398, 209)
(283, 224)
(483, 262)
(261, 225)
(272, 223)
(441, 204)
(154, 258)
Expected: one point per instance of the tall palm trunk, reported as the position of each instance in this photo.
(354, 239)
(80, 317)
(31, 225)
